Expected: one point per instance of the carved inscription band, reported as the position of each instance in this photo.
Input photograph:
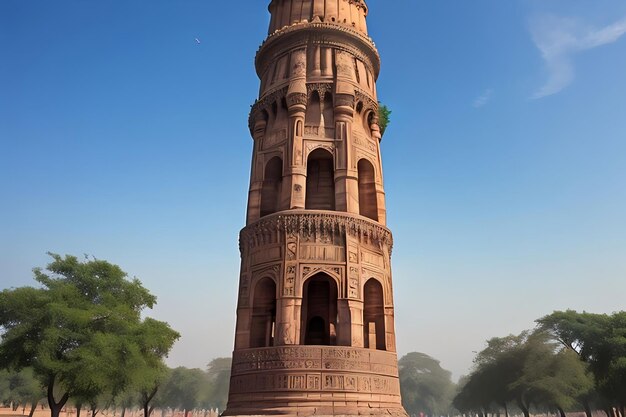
(315, 368)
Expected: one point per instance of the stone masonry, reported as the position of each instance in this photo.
(315, 317)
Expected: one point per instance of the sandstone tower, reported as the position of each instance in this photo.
(315, 318)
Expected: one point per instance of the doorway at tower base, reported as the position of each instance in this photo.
(314, 380)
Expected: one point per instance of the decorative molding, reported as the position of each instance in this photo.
(295, 99)
(308, 222)
(369, 104)
(264, 103)
(321, 88)
(364, 48)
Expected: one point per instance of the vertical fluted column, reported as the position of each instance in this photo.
(296, 103)
(346, 181)
(380, 192)
(256, 179)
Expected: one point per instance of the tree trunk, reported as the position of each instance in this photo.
(561, 412)
(55, 407)
(523, 407)
(587, 408)
(15, 406)
(78, 408)
(147, 397)
(187, 412)
(123, 412)
(623, 410)
(33, 407)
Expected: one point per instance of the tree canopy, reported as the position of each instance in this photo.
(425, 386)
(81, 331)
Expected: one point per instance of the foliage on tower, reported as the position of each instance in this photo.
(383, 117)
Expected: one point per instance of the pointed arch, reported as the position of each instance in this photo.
(373, 315)
(263, 320)
(272, 186)
(319, 311)
(320, 181)
(368, 204)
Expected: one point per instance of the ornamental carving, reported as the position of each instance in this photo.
(369, 104)
(321, 88)
(295, 99)
(264, 104)
(305, 223)
(299, 63)
(366, 52)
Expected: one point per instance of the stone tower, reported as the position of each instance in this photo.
(315, 318)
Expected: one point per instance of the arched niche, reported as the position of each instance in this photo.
(368, 203)
(373, 315)
(319, 311)
(320, 181)
(272, 186)
(263, 323)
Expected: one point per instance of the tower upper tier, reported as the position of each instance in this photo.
(350, 13)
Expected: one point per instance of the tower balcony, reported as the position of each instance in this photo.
(322, 225)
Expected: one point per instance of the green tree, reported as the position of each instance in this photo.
(155, 339)
(600, 341)
(384, 117)
(424, 384)
(183, 389)
(526, 370)
(81, 330)
(551, 377)
(218, 374)
(21, 389)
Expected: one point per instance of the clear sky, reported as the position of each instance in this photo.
(124, 138)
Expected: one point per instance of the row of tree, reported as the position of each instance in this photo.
(572, 361)
(180, 389)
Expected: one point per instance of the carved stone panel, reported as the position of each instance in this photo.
(290, 279)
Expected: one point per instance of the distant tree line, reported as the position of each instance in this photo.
(572, 361)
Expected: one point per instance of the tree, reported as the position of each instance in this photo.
(527, 370)
(218, 374)
(155, 339)
(81, 330)
(182, 389)
(20, 389)
(600, 341)
(425, 386)
(551, 376)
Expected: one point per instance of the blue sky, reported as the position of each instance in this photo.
(505, 162)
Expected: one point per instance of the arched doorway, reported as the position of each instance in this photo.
(374, 315)
(319, 311)
(272, 186)
(320, 181)
(263, 321)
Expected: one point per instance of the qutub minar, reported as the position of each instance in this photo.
(315, 318)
